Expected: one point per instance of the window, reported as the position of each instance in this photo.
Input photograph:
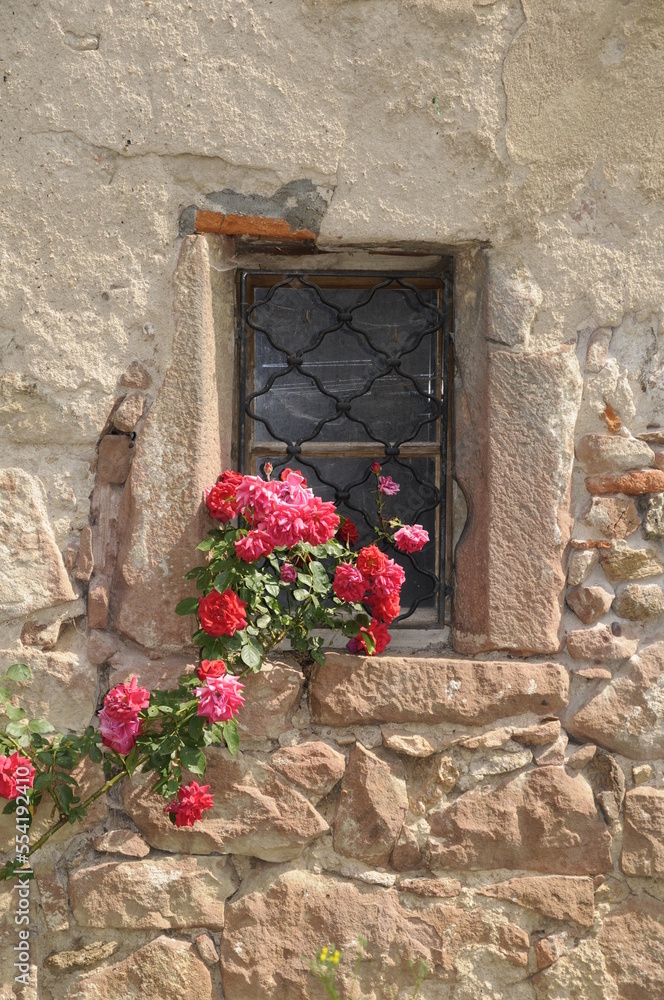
(339, 369)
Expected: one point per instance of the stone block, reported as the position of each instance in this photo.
(98, 600)
(632, 943)
(627, 715)
(314, 766)
(441, 888)
(82, 958)
(33, 572)
(122, 842)
(642, 773)
(581, 564)
(597, 352)
(115, 454)
(406, 854)
(62, 688)
(589, 603)
(372, 808)
(622, 562)
(166, 968)
(549, 949)
(639, 602)
(255, 813)
(541, 734)
(613, 517)
(259, 958)
(561, 897)
(509, 562)
(392, 689)
(271, 697)
(512, 300)
(407, 744)
(178, 453)
(85, 562)
(643, 833)
(653, 521)
(600, 644)
(160, 893)
(207, 949)
(610, 453)
(129, 412)
(101, 646)
(544, 820)
(630, 483)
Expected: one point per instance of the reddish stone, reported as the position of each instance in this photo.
(562, 897)
(314, 766)
(442, 888)
(643, 833)
(549, 949)
(115, 454)
(589, 603)
(98, 596)
(545, 732)
(611, 419)
(372, 808)
(86, 562)
(101, 647)
(590, 543)
(630, 483)
(129, 412)
(164, 968)
(543, 820)
(136, 376)
(406, 855)
(614, 517)
(349, 689)
(627, 715)
(514, 944)
(659, 460)
(600, 644)
(509, 560)
(632, 942)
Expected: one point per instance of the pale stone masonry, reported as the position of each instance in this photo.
(492, 804)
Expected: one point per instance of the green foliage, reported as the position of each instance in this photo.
(326, 966)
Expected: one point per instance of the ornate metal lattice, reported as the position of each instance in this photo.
(339, 369)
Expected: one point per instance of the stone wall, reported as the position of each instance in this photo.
(495, 808)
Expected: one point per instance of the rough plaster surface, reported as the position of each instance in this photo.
(519, 135)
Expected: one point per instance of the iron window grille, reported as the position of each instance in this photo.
(338, 369)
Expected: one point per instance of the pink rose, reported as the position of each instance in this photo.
(254, 545)
(387, 486)
(411, 538)
(13, 783)
(389, 580)
(220, 698)
(285, 525)
(125, 701)
(349, 584)
(119, 735)
(322, 522)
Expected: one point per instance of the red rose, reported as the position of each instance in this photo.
(228, 483)
(222, 614)
(378, 633)
(219, 507)
(211, 668)
(190, 804)
(371, 560)
(347, 532)
(384, 607)
(349, 584)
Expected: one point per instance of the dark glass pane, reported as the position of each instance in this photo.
(348, 365)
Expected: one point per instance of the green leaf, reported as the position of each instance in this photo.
(272, 589)
(231, 736)
(193, 760)
(187, 607)
(369, 643)
(221, 580)
(206, 544)
(19, 672)
(300, 595)
(351, 629)
(16, 729)
(318, 655)
(263, 621)
(14, 713)
(321, 579)
(95, 754)
(131, 760)
(196, 727)
(65, 797)
(40, 726)
(250, 657)
(5, 694)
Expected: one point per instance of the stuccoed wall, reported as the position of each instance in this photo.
(523, 137)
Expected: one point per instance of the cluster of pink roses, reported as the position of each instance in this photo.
(280, 512)
(220, 696)
(16, 775)
(120, 722)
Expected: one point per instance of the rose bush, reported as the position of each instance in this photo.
(281, 565)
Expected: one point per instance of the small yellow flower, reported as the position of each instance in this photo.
(323, 955)
(336, 957)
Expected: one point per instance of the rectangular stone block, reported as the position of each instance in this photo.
(350, 689)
